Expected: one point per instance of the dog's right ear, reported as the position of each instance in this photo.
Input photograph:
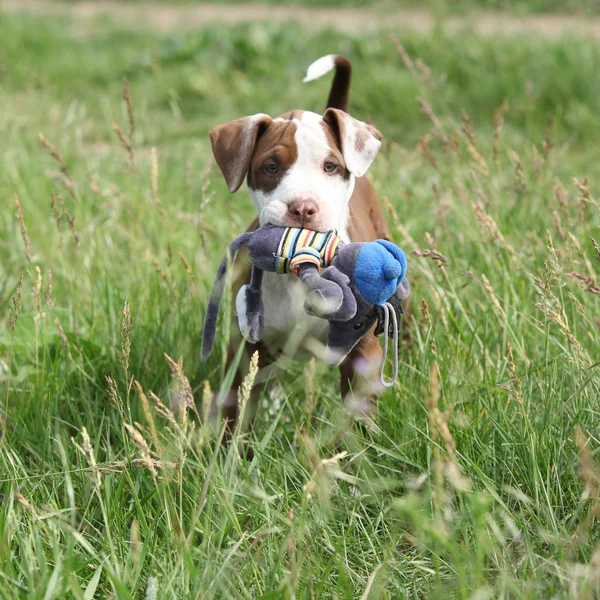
(233, 145)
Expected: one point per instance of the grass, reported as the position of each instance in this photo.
(481, 479)
(438, 6)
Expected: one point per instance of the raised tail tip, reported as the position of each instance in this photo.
(321, 67)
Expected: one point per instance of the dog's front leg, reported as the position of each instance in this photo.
(359, 372)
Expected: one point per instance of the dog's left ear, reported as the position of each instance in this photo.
(358, 141)
(233, 145)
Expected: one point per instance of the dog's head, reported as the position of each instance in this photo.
(300, 166)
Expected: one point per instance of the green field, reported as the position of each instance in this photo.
(480, 480)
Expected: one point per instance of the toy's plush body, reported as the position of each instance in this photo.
(358, 280)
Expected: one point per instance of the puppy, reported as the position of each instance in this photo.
(305, 170)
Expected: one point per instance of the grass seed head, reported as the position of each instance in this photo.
(114, 397)
(126, 329)
(48, 295)
(246, 388)
(63, 338)
(149, 418)
(15, 311)
(37, 289)
(182, 397)
(143, 448)
(22, 226)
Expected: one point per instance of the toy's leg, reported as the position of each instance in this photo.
(360, 384)
(250, 308)
(325, 297)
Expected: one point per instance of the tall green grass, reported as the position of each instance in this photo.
(480, 479)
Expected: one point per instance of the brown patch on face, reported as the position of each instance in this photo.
(277, 146)
(335, 143)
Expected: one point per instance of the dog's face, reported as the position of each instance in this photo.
(301, 167)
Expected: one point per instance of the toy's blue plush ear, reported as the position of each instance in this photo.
(380, 268)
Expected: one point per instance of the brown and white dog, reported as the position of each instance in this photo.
(306, 170)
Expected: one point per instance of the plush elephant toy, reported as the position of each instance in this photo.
(360, 283)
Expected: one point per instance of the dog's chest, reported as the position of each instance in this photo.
(288, 329)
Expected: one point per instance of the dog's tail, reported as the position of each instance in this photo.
(212, 310)
(338, 95)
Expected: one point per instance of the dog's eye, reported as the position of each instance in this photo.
(329, 167)
(357, 326)
(271, 168)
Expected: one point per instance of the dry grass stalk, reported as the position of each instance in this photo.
(425, 310)
(477, 158)
(547, 143)
(490, 227)
(499, 115)
(596, 247)
(53, 150)
(114, 397)
(63, 338)
(492, 295)
(402, 53)
(23, 228)
(552, 308)
(48, 295)
(428, 111)
(118, 466)
(127, 139)
(154, 174)
(589, 284)
(143, 448)
(562, 195)
(126, 329)
(94, 186)
(434, 255)
(89, 452)
(26, 504)
(407, 238)
(585, 197)
(424, 145)
(163, 274)
(556, 268)
(149, 418)
(580, 308)
(246, 389)
(558, 226)
(70, 220)
(181, 390)
(169, 254)
(15, 311)
(64, 176)
(467, 127)
(57, 217)
(163, 411)
(186, 266)
(537, 161)
(37, 289)
(438, 428)
(520, 179)
(590, 477)
(515, 391)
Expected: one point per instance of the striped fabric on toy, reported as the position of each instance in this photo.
(298, 246)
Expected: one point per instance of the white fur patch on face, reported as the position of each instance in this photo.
(306, 179)
(320, 67)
